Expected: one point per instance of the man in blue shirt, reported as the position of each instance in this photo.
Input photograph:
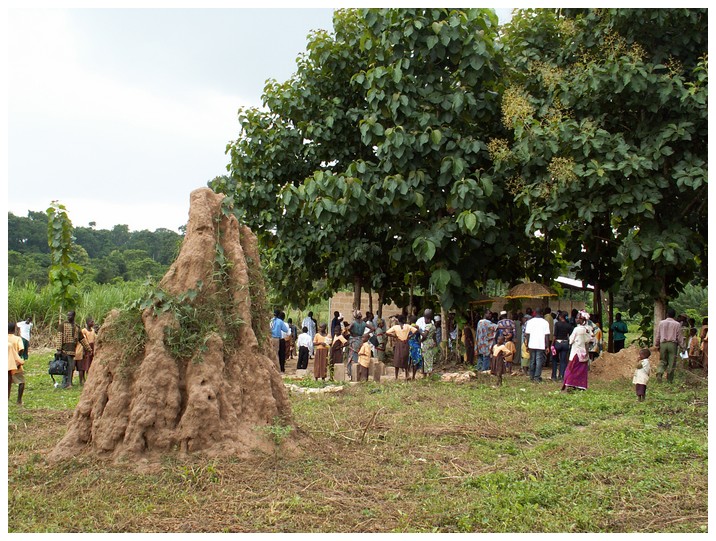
(278, 328)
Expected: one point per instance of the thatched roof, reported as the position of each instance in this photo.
(530, 290)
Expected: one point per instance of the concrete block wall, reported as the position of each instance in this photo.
(343, 302)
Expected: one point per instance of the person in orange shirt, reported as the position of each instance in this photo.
(401, 350)
(15, 372)
(321, 343)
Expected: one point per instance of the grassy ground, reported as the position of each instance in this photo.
(423, 456)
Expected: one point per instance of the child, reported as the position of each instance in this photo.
(641, 374)
(500, 353)
(511, 351)
(15, 373)
(364, 354)
(304, 344)
(694, 349)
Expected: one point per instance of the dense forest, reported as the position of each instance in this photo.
(106, 255)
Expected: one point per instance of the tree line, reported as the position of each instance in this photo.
(106, 255)
(435, 149)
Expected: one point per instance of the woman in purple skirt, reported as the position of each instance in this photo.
(575, 376)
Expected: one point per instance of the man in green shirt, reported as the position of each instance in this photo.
(619, 330)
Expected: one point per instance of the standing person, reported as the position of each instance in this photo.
(25, 329)
(468, 340)
(549, 318)
(304, 345)
(336, 324)
(85, 361)
(517, 338)
(694, 349)
(482, 346)
(382, 339)
(278, 330)
(321, 343)
(422, 321)
(415, 347)
(291, 340)
(562, 331)
(68, 335)
(356, 330)
(337, 346)
(576, 374)
(537, 337)
(641, 374)
(502, 354)
(705, 353)
(619, 328)
(364, 354)
(400, 333)
(310, 324)
(669, 339)
(429, 343)
(505, 325)
(15, 362)
(438, 329)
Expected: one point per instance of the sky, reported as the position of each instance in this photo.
(119, 114)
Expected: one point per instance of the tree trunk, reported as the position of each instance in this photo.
(610, 340)
(444, 341)
(381, 296)
(411, 305)
(659, 309)
(370, 299)
(597, 304)
(356, 292)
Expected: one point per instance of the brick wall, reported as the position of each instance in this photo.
(343, 302)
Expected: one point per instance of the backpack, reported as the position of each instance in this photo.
(58, 366)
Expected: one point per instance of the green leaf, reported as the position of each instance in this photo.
(470, 221)
(440, 279)
(436, 136)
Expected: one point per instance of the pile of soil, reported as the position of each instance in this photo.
(613, 366)
(211, 403)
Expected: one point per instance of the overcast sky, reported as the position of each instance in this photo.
(120, 113)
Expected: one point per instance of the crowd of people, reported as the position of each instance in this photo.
(414, 343)
(75, 345)
(498, 344)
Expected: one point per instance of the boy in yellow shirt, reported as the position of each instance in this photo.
(364, 354)
(15, 373)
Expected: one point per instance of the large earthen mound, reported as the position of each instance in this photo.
(216, 398)
(613, 366)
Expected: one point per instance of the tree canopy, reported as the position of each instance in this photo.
(432, 147)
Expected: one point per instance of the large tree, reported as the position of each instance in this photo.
(609, 121)
(371, 162)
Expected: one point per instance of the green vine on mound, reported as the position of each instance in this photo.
(195, 312)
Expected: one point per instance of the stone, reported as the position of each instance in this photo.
(339, 372)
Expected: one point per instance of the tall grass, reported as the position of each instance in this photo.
(96, 301)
